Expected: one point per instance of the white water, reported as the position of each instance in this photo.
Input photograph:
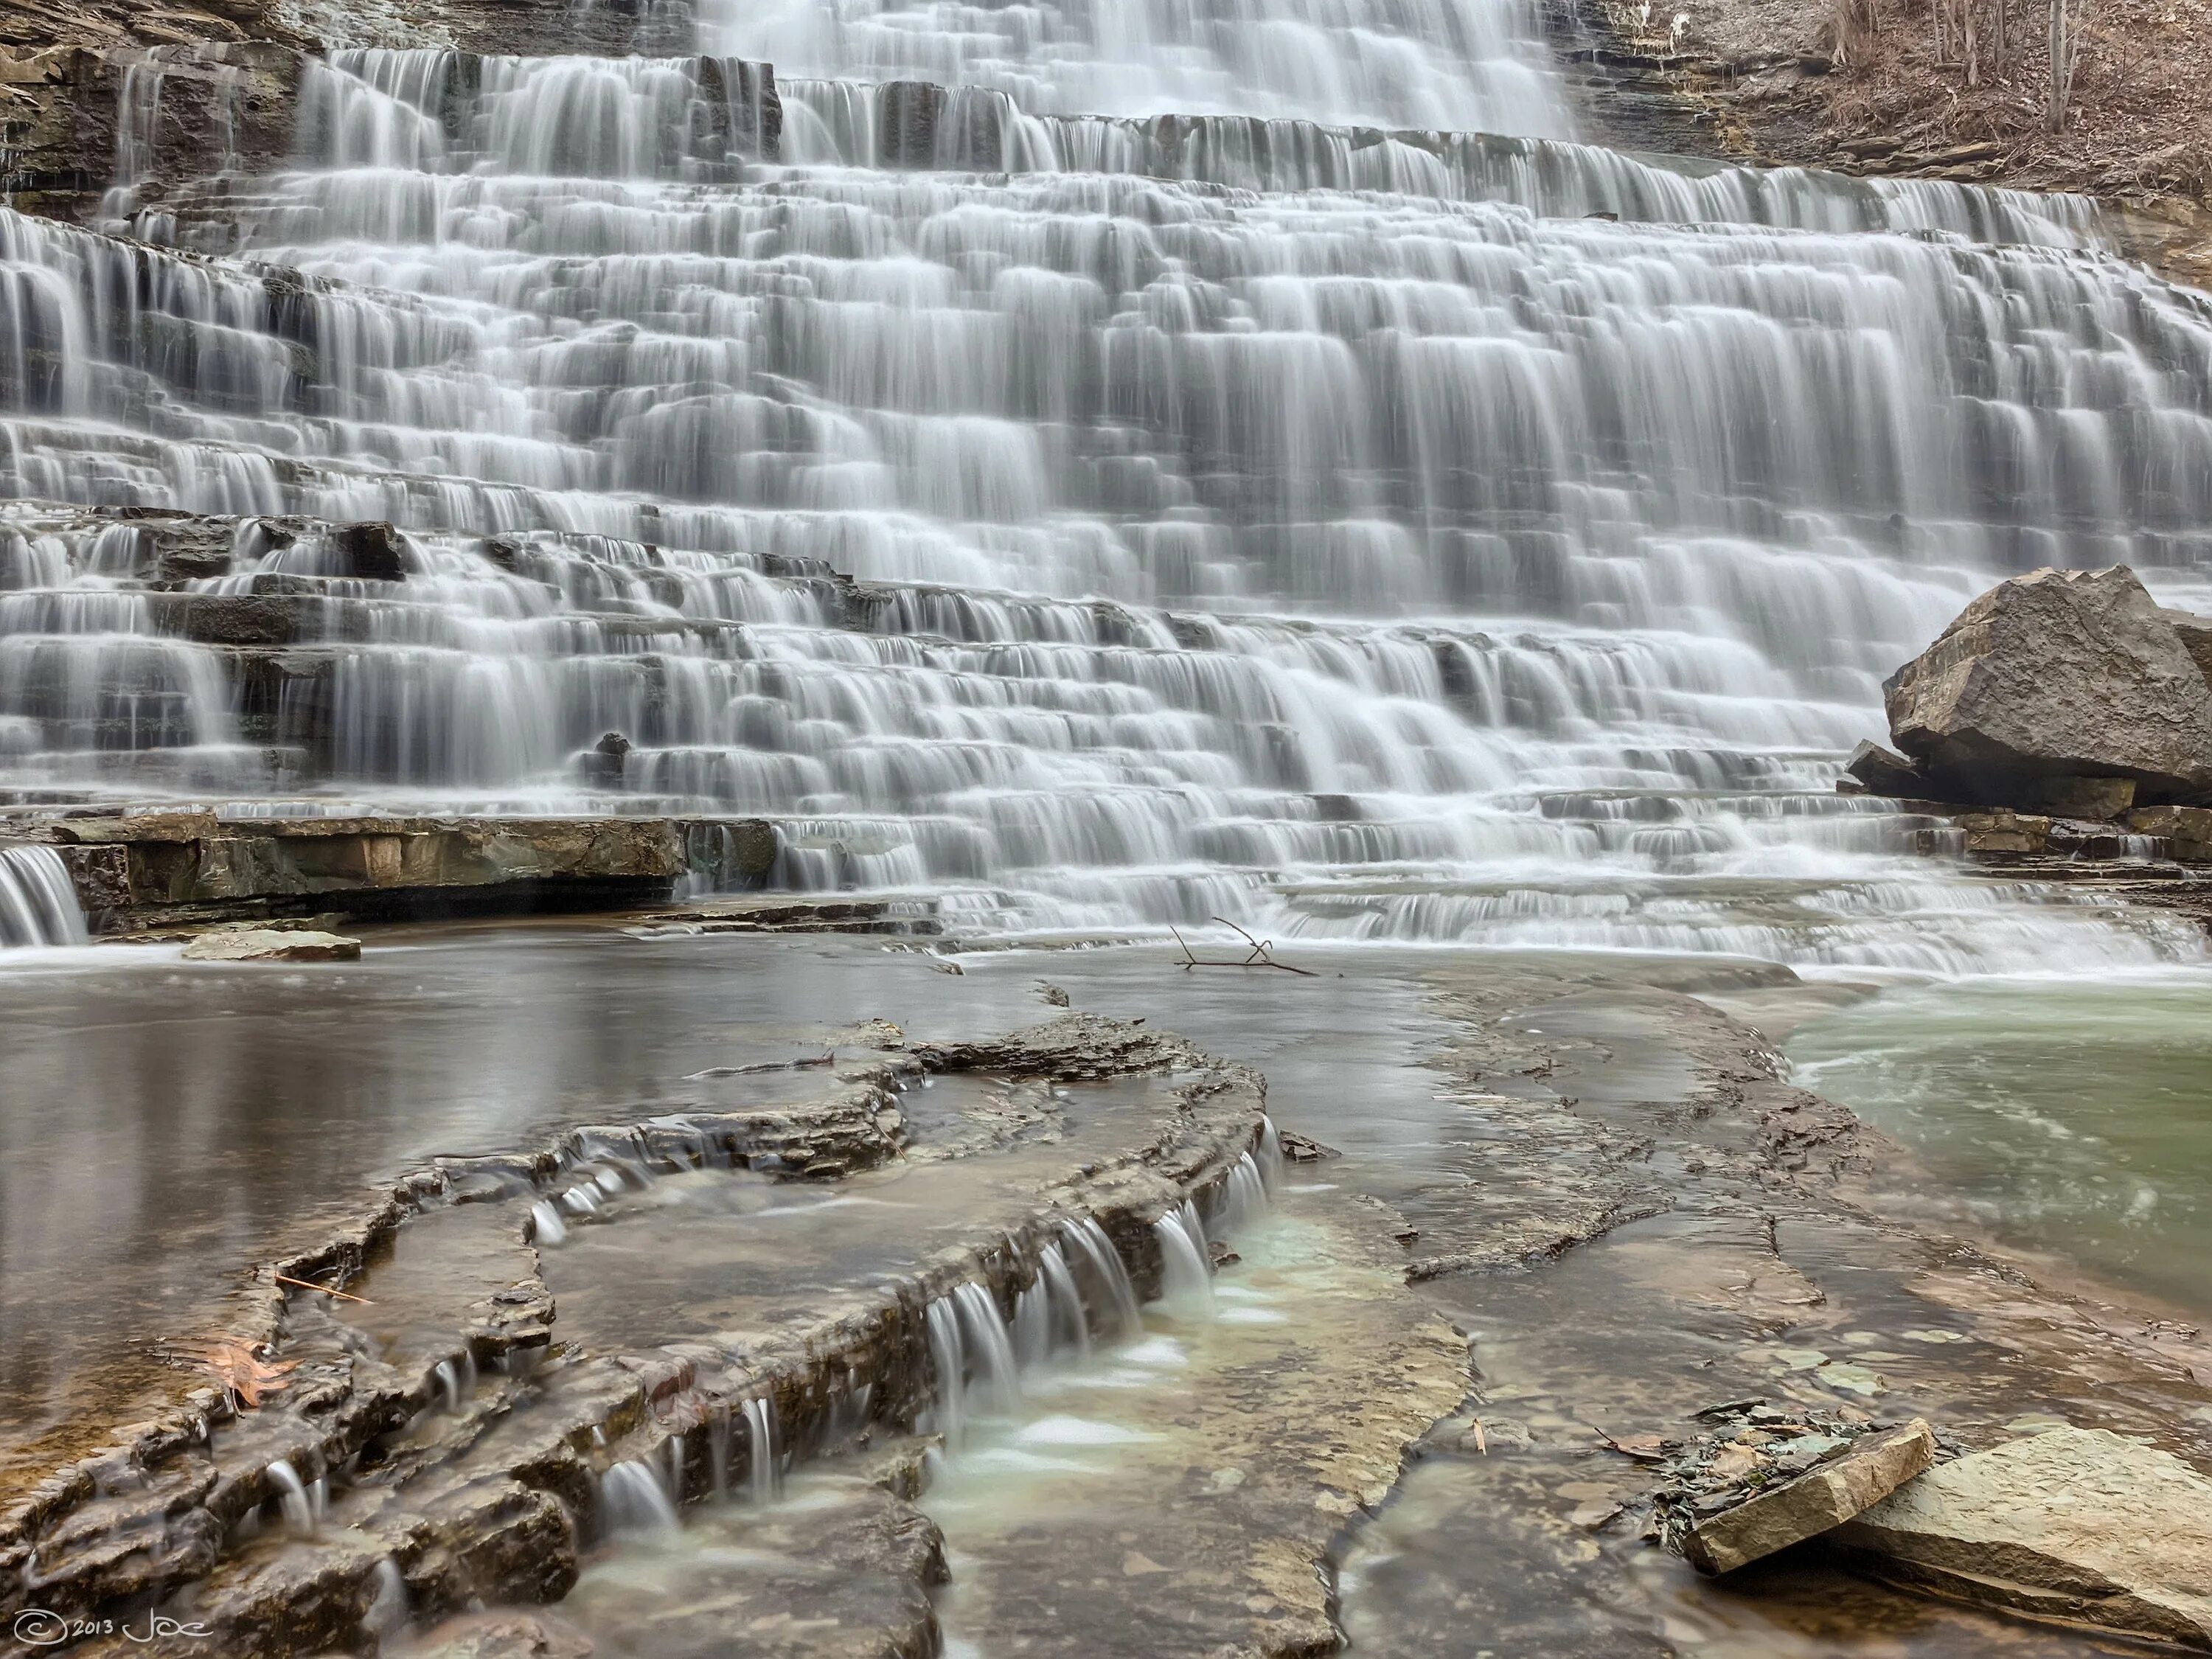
(1258, 519)
(1186, 1274)
(1404, 63)
(38, 903)
(764, 1458)
(302, 1511)
(634, 1497)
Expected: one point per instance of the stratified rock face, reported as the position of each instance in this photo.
(270, 945)
(2057, 675)
(2074, 1524)
(1876, 1466)
(2195, 633)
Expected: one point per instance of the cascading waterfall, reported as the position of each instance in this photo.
(1090, 521)
(764, 1457)
(1186, 1270)
(634, 1497)
(38, 902)
(1242, 1199)
(1101, 1264)
(1414, 63)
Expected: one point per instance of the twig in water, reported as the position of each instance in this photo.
(1261, 955)
(343, 1296)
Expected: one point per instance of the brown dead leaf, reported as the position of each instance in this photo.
(245, 1378)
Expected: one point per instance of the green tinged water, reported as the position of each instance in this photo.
(2075, 1117)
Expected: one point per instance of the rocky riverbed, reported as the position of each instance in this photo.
(1572, 1205)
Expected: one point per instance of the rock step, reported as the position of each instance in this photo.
(140, 872)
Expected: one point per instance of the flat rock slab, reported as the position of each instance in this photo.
(2077, 1525)
(271, 944)
(1876, 1466)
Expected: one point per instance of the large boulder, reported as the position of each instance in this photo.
(2080, 1525)
(2052, 678)
(2195, 633)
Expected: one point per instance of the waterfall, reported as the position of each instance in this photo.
(1241, 1199)
(1269, 1154)
(633, 1497)
(38, 900)
(1416, 62)
(1186, 1273)
(1109, 1279)
(1130, 482)
(301, 1509)
(763, 1458)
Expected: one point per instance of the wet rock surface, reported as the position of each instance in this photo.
(2080, 1526)
(270, 944)
(1573, 1211)
(474, 1465)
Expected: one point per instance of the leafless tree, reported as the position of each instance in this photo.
(2065, 47)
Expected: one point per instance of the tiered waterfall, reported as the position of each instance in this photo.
(1250, 467)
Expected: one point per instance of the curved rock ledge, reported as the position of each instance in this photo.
(488, 1500)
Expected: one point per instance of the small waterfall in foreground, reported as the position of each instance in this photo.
(634, 1497)
(1186, 1270)
(764, 1457)
(38, 900)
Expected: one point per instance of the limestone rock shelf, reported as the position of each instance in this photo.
(136, 872)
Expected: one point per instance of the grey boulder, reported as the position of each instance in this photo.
(2060, 675)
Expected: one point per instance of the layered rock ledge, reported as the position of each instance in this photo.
(141, 872)
(448, 1429)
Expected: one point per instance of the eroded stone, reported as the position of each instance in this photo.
(1874, 1465)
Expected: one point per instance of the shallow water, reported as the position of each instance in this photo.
(2069, 1116)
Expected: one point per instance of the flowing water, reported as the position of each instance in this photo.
(2073, 1119)
(1317, 527)
(1247, 462)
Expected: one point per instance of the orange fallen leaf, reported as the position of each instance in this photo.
(247, 1379)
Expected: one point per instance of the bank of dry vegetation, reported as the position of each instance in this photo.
(1962, 89)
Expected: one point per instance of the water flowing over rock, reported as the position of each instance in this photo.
(2052, 679)
(1079, 540)
(38, 902)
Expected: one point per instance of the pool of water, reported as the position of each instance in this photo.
(2070, 1116)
